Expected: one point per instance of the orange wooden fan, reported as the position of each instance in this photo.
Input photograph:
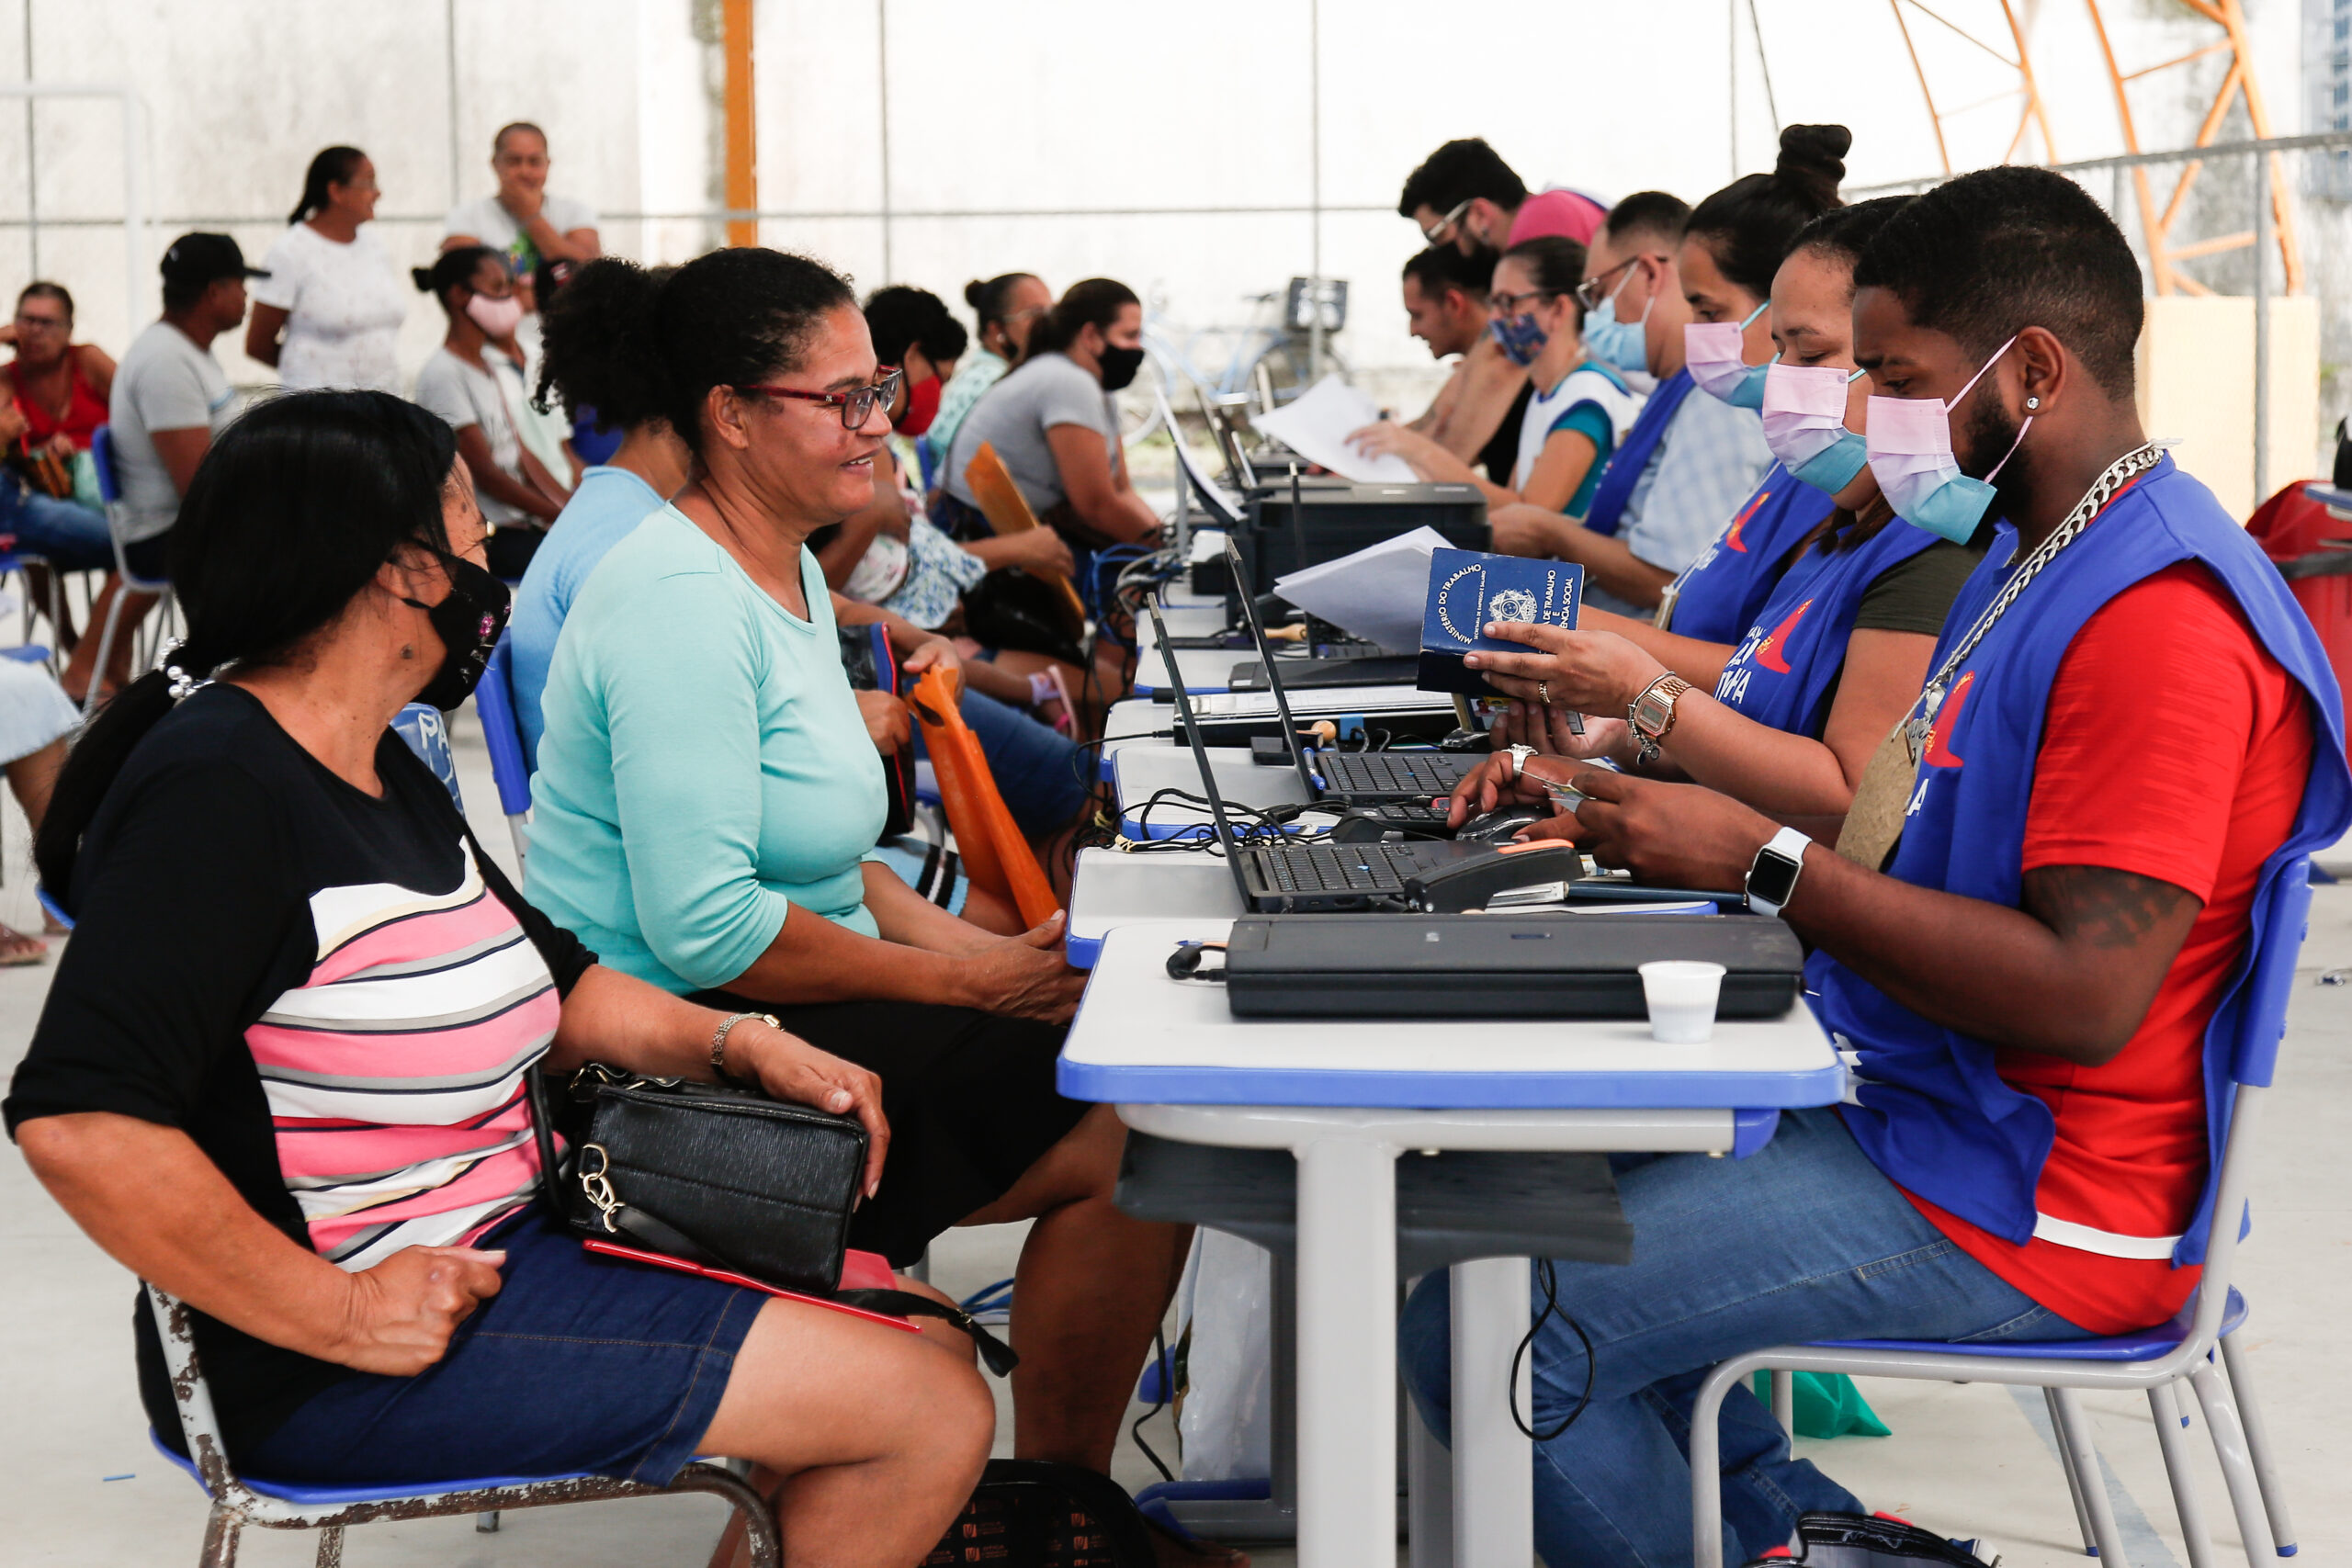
(1007, 511)
(995, 854)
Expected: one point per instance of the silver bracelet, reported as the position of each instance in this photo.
(718, 1040)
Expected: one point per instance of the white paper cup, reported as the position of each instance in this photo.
(1681, 995)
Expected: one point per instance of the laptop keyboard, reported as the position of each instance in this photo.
(1342, 868)
(1391, 772)
(1397, 811)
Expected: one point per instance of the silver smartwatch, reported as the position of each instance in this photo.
(1772, 876)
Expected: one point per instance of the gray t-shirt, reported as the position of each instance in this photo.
(1015, 413)
(164, 382)
(465, 394)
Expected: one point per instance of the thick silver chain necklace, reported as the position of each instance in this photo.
(2120, 472)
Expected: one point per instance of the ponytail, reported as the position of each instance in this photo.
(334, 166)
(1094, 301)
(599, 348)
(291, 514)
(452, 268)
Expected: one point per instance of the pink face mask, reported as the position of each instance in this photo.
(1711, 351)
(497, 317)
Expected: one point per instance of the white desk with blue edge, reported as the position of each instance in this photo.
(1347, 1099)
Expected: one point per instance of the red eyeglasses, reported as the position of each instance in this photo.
(856, 406)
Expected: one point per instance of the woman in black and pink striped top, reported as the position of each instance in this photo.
(281, 1071)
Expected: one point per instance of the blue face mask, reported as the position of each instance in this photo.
(1621, 344)
(1804, 424)
(1521, 339)
(1711, 351)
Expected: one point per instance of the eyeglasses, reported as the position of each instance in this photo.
(1443, 228)
(1508, 304)
(856, 405)
(1590, 293)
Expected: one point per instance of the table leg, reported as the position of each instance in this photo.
(1428, 1488)
(1493, 1475)
(1347, 1348)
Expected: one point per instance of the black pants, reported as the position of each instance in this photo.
(970, 1096)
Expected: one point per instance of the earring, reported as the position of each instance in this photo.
(408, 650)
(2032, 405)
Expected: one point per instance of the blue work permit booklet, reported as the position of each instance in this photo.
(1470, 588)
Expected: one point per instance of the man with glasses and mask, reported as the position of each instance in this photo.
(1464, 195)
(1476, 415)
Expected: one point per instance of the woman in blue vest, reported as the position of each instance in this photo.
(2059, 936)
(1839, 647)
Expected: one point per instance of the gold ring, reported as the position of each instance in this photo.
(1544, 693)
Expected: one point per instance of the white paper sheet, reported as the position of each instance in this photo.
(1376, 593)
(1318, 425)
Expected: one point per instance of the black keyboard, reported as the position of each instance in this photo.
(1399, 811)
(1337, 868)
(1426, 774)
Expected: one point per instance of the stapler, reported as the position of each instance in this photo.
(1469, 884)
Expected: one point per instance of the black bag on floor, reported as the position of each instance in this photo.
(1031, 1514)
(1858, 1541)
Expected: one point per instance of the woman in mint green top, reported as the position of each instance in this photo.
(707, 794)
(785, 796)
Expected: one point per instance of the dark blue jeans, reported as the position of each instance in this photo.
(1802, 1240)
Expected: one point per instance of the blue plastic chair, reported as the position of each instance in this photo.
(239, 1501)
(494, 701)
(110, 491)
(2151, 1360)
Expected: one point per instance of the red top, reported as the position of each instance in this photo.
(2174, 748)
(85, 410)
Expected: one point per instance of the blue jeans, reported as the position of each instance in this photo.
(1034, 765)
(1804, 1240)
(69, 536)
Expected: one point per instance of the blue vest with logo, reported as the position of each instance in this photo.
(1785, 671)
(1932, 1112)
(1633, 454)
(1720, 595)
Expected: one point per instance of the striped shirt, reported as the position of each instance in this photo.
(395, 1072)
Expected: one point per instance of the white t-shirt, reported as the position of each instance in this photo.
(465, 394)
(491, 223)
(164, 382)
(343, 308)
(1588, 383)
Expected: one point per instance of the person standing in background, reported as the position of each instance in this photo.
(331, 311)
(544, 237)
(1463, 194)
(169, 397)
(1007, 304)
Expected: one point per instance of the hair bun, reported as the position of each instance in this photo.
(1813, 162)
(975, 294)
(422, 277)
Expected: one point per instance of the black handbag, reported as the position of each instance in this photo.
(724, 1178)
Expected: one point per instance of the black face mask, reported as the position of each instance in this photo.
(468, 623)
(1119, 367)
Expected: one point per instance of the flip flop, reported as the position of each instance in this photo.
(19, 949)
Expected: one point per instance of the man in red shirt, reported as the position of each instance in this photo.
(2032, 957)
(1464, 195)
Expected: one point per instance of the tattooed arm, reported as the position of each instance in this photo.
(2071, 973)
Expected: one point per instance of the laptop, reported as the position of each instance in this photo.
(1401, 783)
(1279, 879)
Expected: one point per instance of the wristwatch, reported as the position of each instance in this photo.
(1518, 755)
(1652, 713)
(1772, 876)
(719, 1042)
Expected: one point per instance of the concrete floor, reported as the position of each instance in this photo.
(80, 1485)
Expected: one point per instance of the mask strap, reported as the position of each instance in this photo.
(1650, 303)
(1954, 402)
(2012, 451)
(1753, 314)
(1631, 268)
(1856, 376)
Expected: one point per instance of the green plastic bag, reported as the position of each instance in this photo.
(1827, 1406)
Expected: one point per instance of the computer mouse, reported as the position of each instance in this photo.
(1370, 828)
(1500, 826)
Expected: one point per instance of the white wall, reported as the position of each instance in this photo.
(1036, 107)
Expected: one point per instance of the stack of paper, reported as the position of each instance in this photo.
(1375, 594)
(1318, 426)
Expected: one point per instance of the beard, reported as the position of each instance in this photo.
(1990, 434)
